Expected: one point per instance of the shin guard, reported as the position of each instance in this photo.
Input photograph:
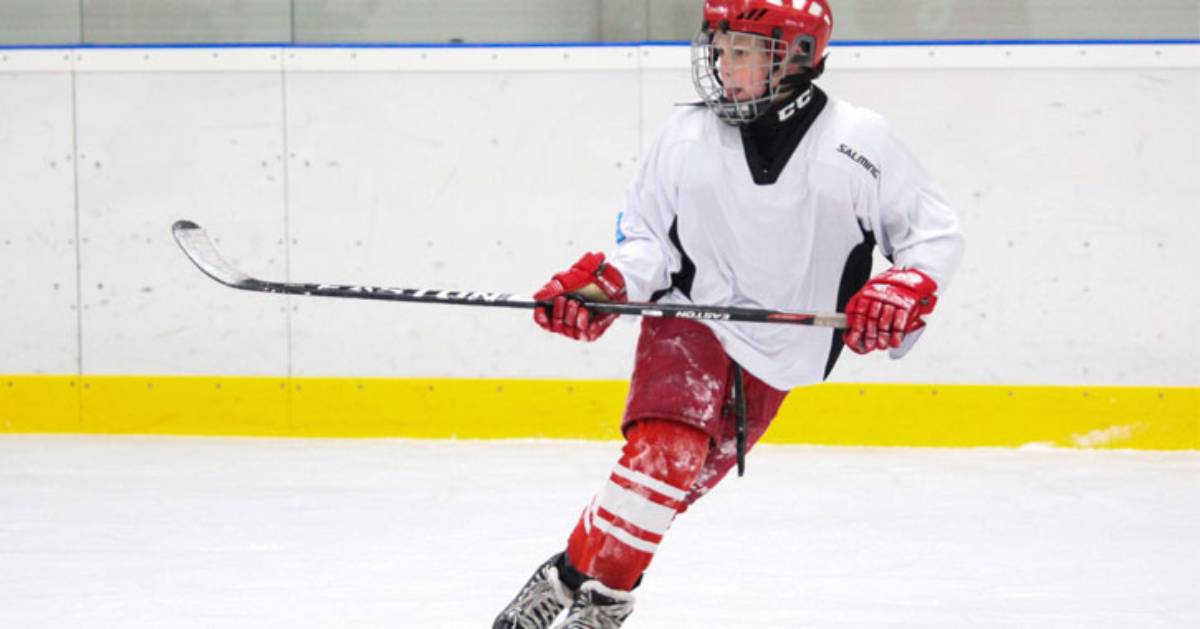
(619, 532)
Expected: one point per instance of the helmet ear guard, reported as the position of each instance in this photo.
(813, 68)
(805, 47)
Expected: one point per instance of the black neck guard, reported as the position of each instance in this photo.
(770, 140)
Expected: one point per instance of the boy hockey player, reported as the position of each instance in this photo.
(774, 195)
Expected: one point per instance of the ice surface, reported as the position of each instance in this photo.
(134, 532)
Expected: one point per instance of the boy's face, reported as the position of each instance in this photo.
(743, 64)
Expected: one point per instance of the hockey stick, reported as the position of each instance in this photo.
(200, 250)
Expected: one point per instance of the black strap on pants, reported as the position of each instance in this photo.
(738, 399)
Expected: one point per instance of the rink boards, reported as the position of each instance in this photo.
(830, 414)
(486, 168)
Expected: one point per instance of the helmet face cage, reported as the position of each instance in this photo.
(706, 73)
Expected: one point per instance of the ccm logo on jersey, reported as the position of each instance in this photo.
(796, 105)
(860, 160)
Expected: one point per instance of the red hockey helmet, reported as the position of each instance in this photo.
(796, 32)
(805, 25)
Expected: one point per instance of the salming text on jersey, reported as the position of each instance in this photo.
(860, 160)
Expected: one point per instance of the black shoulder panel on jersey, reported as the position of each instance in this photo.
(854, 276)
(686, 275)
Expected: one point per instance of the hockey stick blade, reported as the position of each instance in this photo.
(196, 245)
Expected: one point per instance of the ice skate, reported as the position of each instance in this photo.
(598, 607)
(540, 601)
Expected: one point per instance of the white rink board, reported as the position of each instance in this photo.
(145, 533)
(488, 169)
(402, 179)
(1079, 201)
(38, 320)
(155, 148)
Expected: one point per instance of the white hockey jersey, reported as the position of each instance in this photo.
(695, 211)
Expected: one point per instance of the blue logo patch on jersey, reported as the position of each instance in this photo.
(620, 234)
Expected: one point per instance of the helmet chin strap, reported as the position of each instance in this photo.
(802, 80)
(794, 83)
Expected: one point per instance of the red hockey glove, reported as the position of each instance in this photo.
(888, 308)
(589, 279)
